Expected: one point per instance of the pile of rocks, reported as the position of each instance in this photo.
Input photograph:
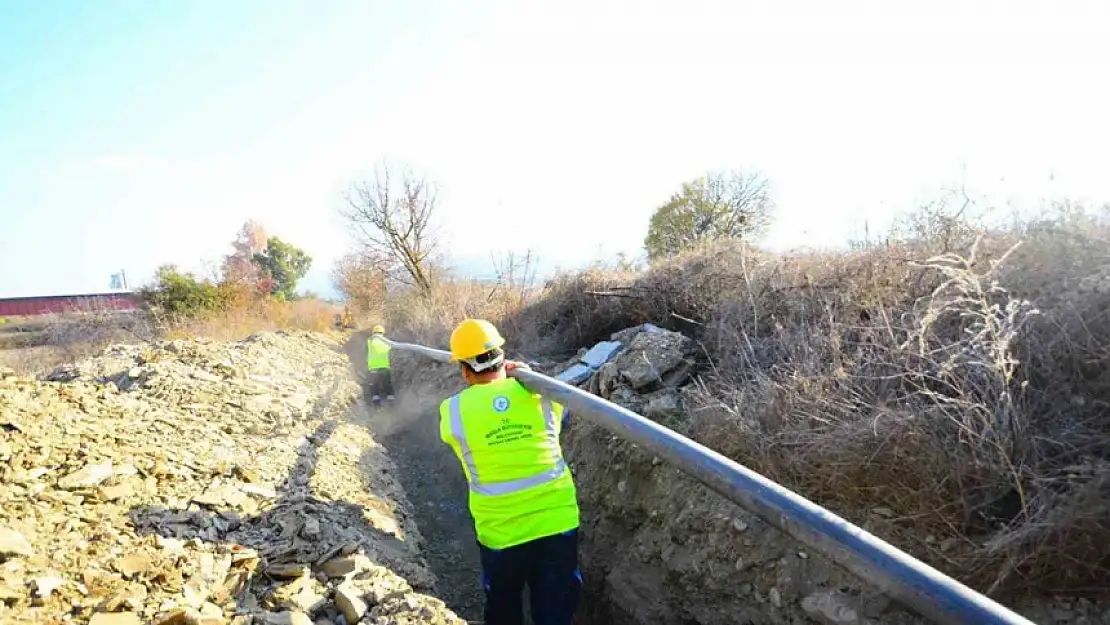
(641, 368)
(191, 482)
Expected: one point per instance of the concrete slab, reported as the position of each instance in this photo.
(600, 354)
(575, 375)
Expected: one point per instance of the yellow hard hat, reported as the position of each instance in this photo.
(378, 330)
(474, 337)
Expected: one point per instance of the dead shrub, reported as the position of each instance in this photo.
(952, 394)
(428, 318)
(253, 316)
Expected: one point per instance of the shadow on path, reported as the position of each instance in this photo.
(433, 481)
(299, 531)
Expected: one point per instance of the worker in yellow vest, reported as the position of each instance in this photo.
(377, 362)
(522, 495)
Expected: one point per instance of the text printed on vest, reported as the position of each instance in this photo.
(503, 434)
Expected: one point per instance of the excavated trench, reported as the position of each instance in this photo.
(656, 546)
(434, 484)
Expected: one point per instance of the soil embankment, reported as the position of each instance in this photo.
(199, 482)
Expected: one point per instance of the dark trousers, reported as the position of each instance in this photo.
(381, 382)
(549, 566)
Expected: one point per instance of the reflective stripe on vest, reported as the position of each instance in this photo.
(511, 486)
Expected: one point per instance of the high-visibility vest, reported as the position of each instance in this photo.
(377, 354)
(507, 439)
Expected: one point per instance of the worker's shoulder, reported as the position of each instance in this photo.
(446, 403)
(489, 390)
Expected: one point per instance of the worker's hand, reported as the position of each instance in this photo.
(512, 366)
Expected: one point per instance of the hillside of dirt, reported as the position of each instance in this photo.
(192, 482)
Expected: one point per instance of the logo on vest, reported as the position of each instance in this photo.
(500, 403)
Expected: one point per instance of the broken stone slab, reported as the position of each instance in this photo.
(576, 374)
(122, 490)
(589, 361)
(259, 403)
(12, 543)
(205, 376)
(47, 584)
(179, 616)
(627, 334)
(221, 494)
(662, 406)
(381, 587)
(831, 608)
(90, 475)
(307, 600)
(311, 529)
(115, 618)
(259, 490)
(349, 601)
(133, 565)
(286, 571)
(346, 565)
(9, 593)
(649, 356)
(291, 617)
(600, 354)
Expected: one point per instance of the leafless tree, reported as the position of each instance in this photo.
(514, 272)
(392, 216)
(361, 277)
(238, 266)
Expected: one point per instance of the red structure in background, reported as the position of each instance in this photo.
(44, 305)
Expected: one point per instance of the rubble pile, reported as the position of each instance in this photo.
(192, 482)
(642, 368)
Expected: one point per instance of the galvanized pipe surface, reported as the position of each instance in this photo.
(896, 573)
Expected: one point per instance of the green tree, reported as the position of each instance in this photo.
(284, 264)
(182, 294)
(730, 205)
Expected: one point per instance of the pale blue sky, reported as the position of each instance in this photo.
(138, 133)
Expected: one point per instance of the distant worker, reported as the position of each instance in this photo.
(522, 495)
(377, 362)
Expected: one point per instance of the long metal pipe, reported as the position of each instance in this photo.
(896, 573)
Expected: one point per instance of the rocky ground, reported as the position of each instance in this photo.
(192, 482)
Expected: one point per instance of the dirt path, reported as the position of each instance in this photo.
(433, 481)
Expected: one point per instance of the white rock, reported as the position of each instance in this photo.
(12, 543)
(91, 475)
(46, 585)
(830, 608)
(349, 602)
